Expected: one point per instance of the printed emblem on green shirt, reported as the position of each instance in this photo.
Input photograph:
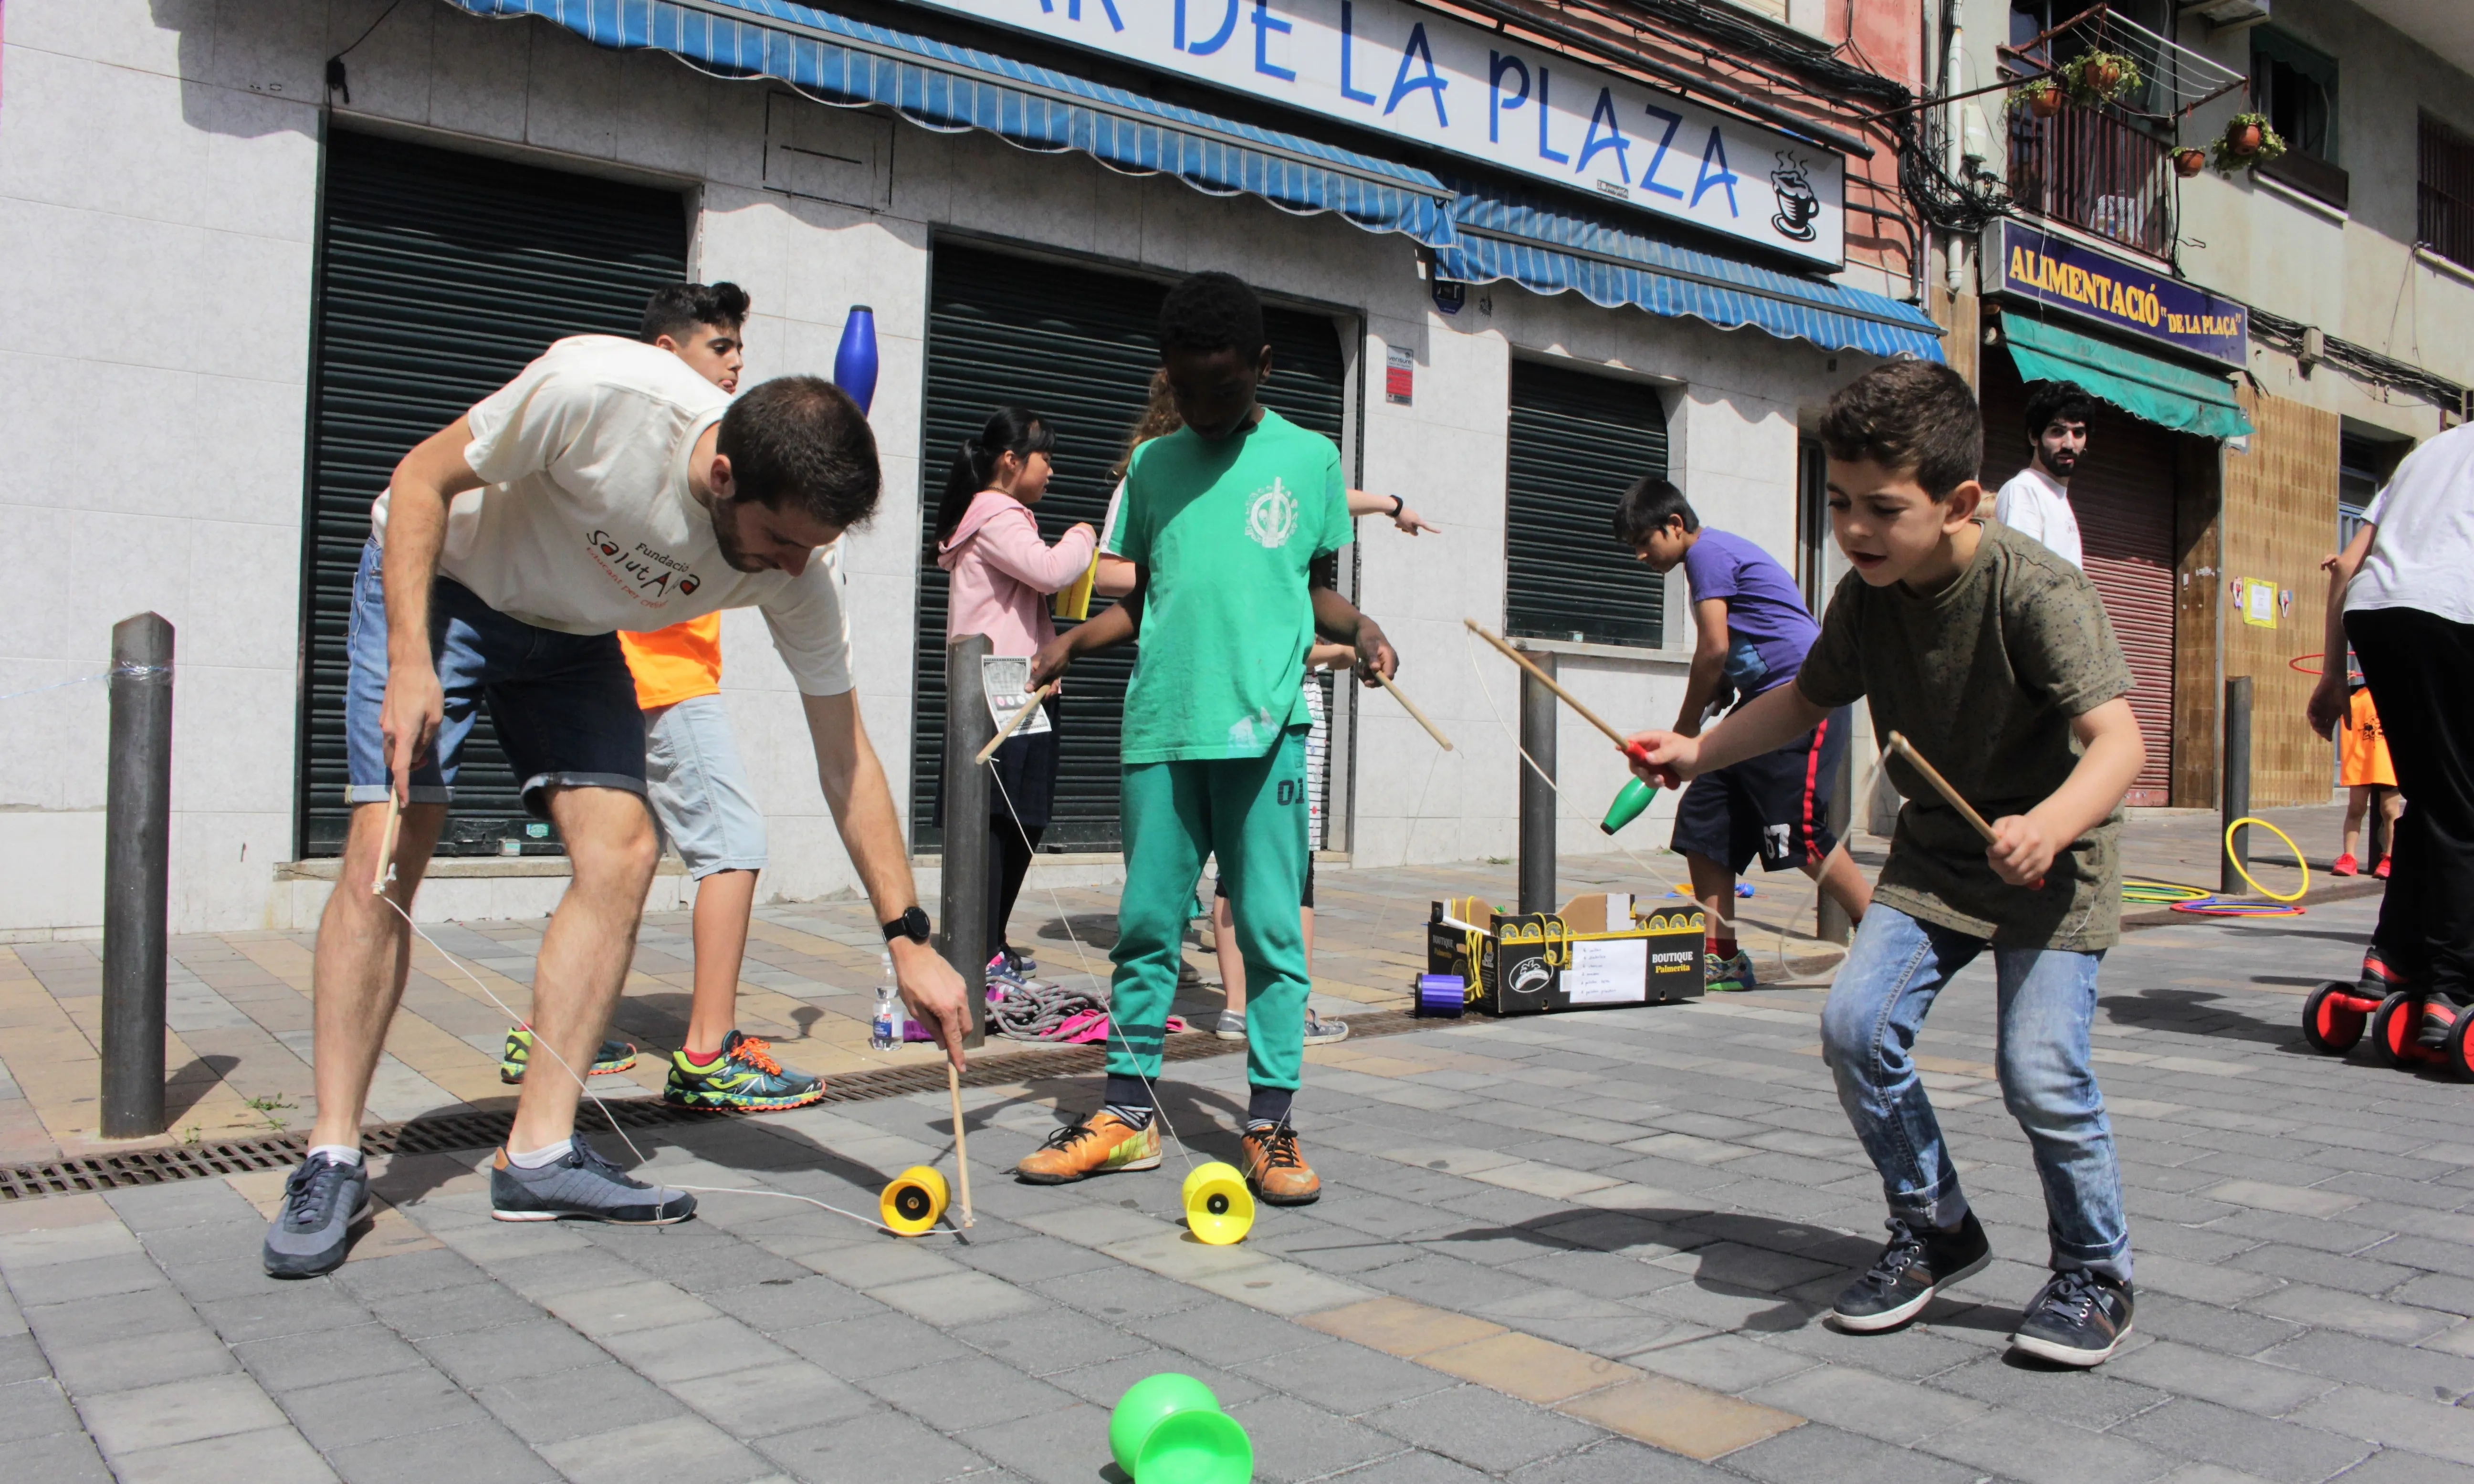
(1225, 533)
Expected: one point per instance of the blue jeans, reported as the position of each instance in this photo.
(2046, 999)
(564, 703)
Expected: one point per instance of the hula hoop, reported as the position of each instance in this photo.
(2226, 906)
(2159, 894)
(2295, 662)
(2253, 880)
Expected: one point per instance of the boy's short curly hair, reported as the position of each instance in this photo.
(1212, 311)
(1909, 417)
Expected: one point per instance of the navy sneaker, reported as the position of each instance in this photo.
(1914, 1267)
(323, 1201)
(2079, 1319)
(582, 1185)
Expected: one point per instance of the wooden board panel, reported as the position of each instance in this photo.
(2280, 520)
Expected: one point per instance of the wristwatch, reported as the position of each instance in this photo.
(912, 924)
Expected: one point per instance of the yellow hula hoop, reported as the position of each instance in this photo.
(2288, 844)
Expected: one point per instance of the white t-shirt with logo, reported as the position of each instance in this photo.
(2422, 555)
(2034, 503)
(587, 525)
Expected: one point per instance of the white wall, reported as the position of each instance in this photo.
(159, 171)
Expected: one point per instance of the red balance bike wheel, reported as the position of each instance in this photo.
(2394, 1027)
(2333, 1019)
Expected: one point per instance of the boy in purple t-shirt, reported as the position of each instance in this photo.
(1754, 632)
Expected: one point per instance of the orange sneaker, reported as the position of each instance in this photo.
(1277, 1171)
(1101, 1144)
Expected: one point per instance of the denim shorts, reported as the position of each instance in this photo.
(699, 787)
(564, 704)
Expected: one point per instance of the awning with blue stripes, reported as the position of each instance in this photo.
(1546, 247)
(839, 60)
(1479, 234)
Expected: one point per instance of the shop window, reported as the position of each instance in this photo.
(1812, 535)
(1576, 442)
(2444, 195)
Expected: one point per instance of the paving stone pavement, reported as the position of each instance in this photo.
(1564, 1249)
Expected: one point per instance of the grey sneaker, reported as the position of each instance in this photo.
(1229, 1025)
(323, 1201)
(584, 1186)
(1322, 1033)
(2079, 1319)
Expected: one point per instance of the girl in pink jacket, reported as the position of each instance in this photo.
(1003, 574)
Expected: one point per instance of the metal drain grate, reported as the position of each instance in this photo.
(454, 1131)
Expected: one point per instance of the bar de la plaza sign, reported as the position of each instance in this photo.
(1392, 66)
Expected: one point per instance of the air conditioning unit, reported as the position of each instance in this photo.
(2222, 15)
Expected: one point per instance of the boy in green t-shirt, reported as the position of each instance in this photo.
(1223, 521)
(1994, 656)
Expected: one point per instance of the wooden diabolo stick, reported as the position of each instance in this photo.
(1037, 697)
(1941, 786)
(386, 843)
(961, 1156)
(1411, 707)
(1547, 680)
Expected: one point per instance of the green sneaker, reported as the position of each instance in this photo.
(744, 1079)
(614, 1056)
(1728, 976)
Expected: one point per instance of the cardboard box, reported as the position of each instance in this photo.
(1599, 952)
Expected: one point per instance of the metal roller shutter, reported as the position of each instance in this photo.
(2124, 495)
(1078, 347)
(1576, 442)
(439, 277)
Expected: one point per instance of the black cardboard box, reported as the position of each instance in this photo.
(1597, 953)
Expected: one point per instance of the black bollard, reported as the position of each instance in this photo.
(963, 917)
(136, 874)
(1537, 793)
(2235, 850)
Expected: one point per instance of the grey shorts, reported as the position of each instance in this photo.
(698, 788)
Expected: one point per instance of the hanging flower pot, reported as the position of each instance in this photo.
(2100, 77)
(2246, 145)
(2041, 97)
(2189, 162)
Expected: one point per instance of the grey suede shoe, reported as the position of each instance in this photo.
(582, 1185)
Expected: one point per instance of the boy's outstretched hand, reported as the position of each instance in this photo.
(2023, 849)
(1672, 759)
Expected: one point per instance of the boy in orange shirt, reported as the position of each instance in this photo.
(699, 787)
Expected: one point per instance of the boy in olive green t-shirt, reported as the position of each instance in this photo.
(1223, 521)
(1996, 659)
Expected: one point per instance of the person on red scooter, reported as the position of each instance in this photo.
(2402, 593)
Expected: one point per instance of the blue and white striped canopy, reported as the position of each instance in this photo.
(1478, 234)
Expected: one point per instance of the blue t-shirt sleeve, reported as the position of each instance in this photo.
(1709, 570)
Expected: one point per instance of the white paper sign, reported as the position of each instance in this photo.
(1404, 70)
(1614, 971)
(1006, 680)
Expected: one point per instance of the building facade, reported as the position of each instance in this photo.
(282, 242)
(2269, 338)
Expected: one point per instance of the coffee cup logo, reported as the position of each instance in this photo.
(1797, 204)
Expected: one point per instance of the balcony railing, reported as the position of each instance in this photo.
(2097, 172)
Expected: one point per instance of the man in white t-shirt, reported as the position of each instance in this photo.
(2037, 500)
(2402, 591)
(609, 486)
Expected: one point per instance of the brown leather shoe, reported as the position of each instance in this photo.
(1277, 1171)
(1099, 1145)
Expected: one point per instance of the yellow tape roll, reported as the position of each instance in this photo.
(2288, 844)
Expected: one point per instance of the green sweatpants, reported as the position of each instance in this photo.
(1251, 813)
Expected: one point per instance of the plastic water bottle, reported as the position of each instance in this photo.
(886, 1032)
